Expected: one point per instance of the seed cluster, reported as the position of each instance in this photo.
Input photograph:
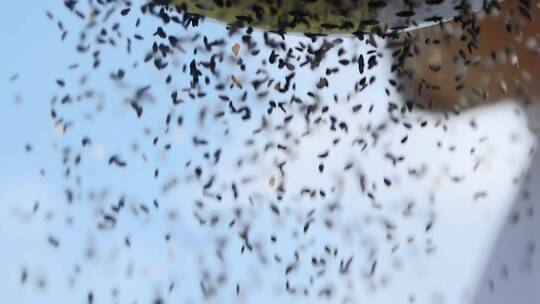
(246, 152)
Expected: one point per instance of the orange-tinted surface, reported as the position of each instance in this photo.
(505, 65)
